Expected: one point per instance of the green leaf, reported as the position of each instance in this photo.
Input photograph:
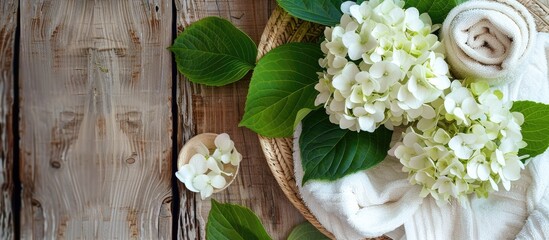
(437, 9)
(329, 152)
(535, 130)
(233, 222)
(282, 84)
(306, 231)
(301, 114)
(214, 52)
(325, 12)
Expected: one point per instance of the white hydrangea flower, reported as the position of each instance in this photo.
(205, 170)
(188, 172)
(472, 147)
(382, 65)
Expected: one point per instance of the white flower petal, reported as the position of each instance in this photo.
(200, 182)
(511, 171)
(202, 149)
(483, 172)
(198, 162)
(190, 187)
(350, 38)
(218, 181)
(441, 83)
(213, 165)
(185, 174)
(217, 154)
(449, 104)
(346, 6)
(500, 158)
(236, 158)
(366, 124)
(355, 51)
(224, 142)
(226, 158)
(506, 184)
(206, 192)
(494, 184)
(441, 136)
(472, 168)
(440, 68)
(461, 151)
(428, 112)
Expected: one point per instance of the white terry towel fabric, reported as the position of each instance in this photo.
(504, 214)
(361, 205)
(488, 40)
(381, 201)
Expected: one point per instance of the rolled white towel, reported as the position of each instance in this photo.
(488, 40)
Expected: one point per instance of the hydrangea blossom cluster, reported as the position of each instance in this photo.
(382, 65)
(205, 170)
(471, 146)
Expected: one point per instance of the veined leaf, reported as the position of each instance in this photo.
(325, 12)
(214, 52)
(233, 222)
(329, 152)
(282, 84)
(301, 114)
(535, 130)
(306, 231)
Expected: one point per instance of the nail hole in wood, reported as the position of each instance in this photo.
(35, 203)
(55, 164)
(131, 159)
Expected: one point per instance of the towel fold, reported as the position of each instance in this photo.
(381, 201)
(488, 40)
(361, 205)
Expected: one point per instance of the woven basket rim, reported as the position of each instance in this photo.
(282, 28)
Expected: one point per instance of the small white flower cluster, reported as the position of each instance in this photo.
(471, 145)
(205, 170)
(382, 65)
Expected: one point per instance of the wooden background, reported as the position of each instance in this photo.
(93, 113)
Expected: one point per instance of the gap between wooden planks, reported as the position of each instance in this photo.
(97, 92)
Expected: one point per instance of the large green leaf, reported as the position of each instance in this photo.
(214, 52)
(437, 9)
(306, 231)
(282, 84)
(535, 130)
(233, 222)
(325, 12)
(329, 152)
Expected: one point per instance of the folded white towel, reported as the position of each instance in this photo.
(489, 40)
(380, 200)
(365, 204)
(534, 85)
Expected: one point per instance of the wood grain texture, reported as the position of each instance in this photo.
(540, 11)
(8, 23)
(220, 110)
(96, 124)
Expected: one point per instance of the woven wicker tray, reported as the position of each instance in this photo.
(283, 28)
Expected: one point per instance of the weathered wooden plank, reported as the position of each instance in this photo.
(220, 110)
(96, 124)
(8, 23)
